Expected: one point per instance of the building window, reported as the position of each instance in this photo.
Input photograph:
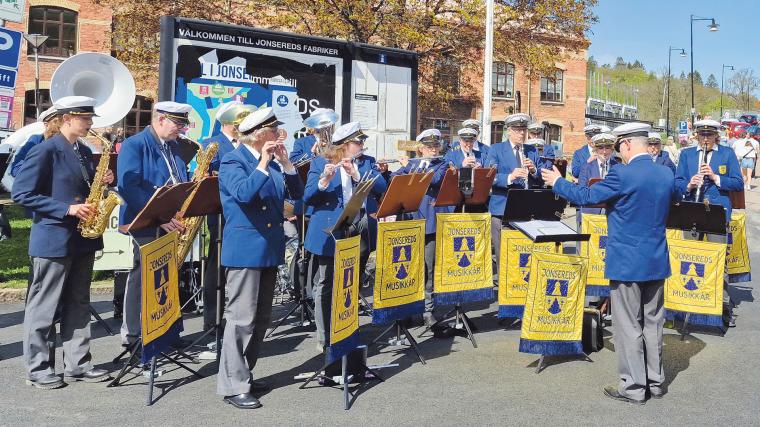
(30, 108)
(60, 25)
(497, 132)
(503, 83)
(551, 87)
(139, 116)
(553, 134)
(447, 75)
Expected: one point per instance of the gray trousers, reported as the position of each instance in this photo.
(322, 292)
(429, 272)
(249, 310)
(209, 281)
(63, 282)
(638, 317)
(496, 246)
(131, 326)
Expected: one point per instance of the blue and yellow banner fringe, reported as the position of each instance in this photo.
(737, 251)
(595, 249)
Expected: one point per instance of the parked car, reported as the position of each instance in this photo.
(733, 128)
(754, 132)
(749, 118)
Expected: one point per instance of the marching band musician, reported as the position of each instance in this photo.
(515, 165)
(597, 166)
(470, 153)
(226, 141)
(147, 161)
(307, 146)
(52, 124)
(638, 197)
(329, 187)
(253, 188)
(545, 148)
(468, 124)
(581, 155)
(708, 171)
(431, 161)
(658, 155)
(54, 184)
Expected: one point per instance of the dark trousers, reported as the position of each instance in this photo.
(209, 280)
(429, 272)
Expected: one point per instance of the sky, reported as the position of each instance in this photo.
(644, 29)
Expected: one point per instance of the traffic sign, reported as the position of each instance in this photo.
(683, 127)
(7, 78)
(10, 48)
(12, 10)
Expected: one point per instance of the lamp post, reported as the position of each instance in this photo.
(730, 67)
(36, 40)
(713, 27)
(487, 75)
(667, 114)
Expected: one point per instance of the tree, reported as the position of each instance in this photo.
(697, 78)
(637, 64)
(682, 76)
(534, 34)
(741, 85)
(712, 81)
(620, 62)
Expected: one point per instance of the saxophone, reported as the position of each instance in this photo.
(193, 224)
(100, 196)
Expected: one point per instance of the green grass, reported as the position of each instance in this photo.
(14, 258)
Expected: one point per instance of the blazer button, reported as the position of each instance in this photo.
(269, 225)
(327, 203)
(263, 208)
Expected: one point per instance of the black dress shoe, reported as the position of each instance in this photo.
(243, 401)
(612, 392)
(47, 382)
(259, 385)
(94, 375)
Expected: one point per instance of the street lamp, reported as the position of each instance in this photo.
(667, 114)
(36, 40)
(713, 27)
(730, 67)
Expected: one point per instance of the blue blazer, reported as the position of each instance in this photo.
(664, 159)
(327, 205)
(504, 158)
(225, 146)
(580, 158)
(253, 204)
(730, 180)
(48, 183)
(18, 159)
(548, 154)
(456, 155)
(427, 211)
(588, 171)
(141, 170)
(302, 148)
(638, 198)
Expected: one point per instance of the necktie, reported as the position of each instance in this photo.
(173, 171)
(85, 174)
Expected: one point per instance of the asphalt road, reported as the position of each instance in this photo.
(713, 380)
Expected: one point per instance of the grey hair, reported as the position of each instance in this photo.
(642, 141)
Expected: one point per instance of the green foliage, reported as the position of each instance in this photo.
(14, 261)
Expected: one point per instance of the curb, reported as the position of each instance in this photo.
(11, 296)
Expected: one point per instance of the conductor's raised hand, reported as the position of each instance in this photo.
(550, 176)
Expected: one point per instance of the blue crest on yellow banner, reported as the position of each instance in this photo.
(553, 318)
(463, 269)
(400, 274)
(696, 286)
(344, 315)
(596, 252)
(514, 271)
(161, 314)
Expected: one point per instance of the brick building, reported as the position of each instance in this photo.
(72, 27)
(558, 100)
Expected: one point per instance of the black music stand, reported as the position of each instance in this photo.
(404, 195)
(537, 213)
(451, 194)
(344, 228)
(160, 209)
(698, 218)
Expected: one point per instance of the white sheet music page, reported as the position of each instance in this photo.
(538, 227)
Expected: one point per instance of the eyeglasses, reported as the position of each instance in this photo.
(706, 134)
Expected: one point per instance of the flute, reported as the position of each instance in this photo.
(354, 157)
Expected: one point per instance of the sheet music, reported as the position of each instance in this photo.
(537, 227)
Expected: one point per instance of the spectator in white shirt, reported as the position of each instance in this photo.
(746, 152)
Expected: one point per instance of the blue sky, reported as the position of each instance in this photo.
(643, 30)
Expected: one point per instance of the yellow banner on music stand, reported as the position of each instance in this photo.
(400, 273)
(596, 252)
(463, 270)
(696, 282)
(161, 308)
(737, 257)
(514, 271)
(553, 319)
(344, 316)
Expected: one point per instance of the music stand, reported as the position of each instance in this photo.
(404, 195)
(698, 218)
(537, 213)
(343, 228)
(451, 195)
(160, 209)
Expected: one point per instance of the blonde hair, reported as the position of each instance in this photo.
(52, 127)
(336, 153)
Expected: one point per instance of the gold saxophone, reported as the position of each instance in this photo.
(193, 224)
(100, 196)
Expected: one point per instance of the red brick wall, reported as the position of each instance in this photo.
(93, 34)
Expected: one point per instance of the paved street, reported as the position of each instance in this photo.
(712, 380)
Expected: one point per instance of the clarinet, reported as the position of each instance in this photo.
(702, 158)
(605, 165)
(522, 157)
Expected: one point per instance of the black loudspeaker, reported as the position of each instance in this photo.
(465, 182)
(593, 331)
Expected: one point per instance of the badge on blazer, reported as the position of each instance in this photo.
(722, 169)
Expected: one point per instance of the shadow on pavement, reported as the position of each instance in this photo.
(677, 354)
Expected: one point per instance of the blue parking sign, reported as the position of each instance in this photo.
(10, 48)
(683, 127)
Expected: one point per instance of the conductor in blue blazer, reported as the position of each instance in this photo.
(254, 180)
(54, 184)
(658, 155)
(329, 186)
(431, 161)
(147, 161)
(515, 164)
(599, 166)
(638, 197)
